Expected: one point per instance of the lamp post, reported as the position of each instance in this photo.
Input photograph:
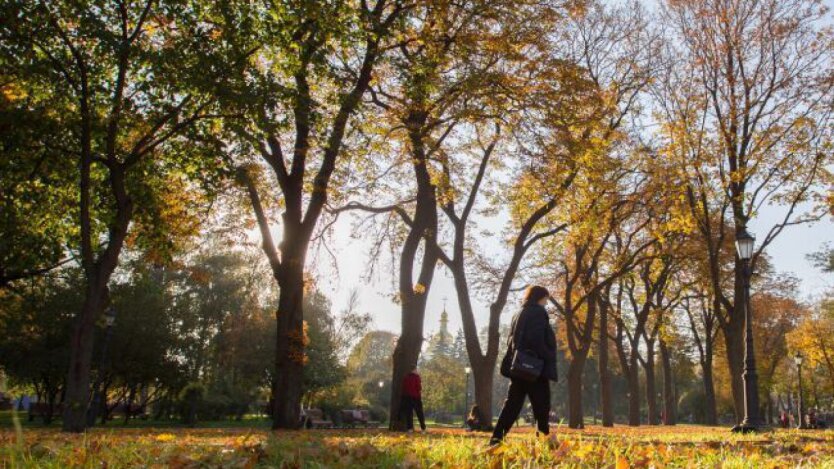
(752, 422)
(798, 358)
(98, 397)
(466, 370)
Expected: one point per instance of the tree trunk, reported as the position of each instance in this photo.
(604, 372)
(406, 354)
(483, 394)
(711, 413)
(633, 381)
(413, 296)
(130, 398)
(670, 416)
(576, 369)
(289, 351)
(77, 399)
(483, 366)
(651, 387)
(734, 340)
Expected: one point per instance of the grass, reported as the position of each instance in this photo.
(619, 448)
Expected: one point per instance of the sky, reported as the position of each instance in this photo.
(788, 253)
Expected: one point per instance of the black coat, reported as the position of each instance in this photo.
(537, 336)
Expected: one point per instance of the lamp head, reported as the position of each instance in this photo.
(744, 245)
(381, 384)
(467, 370)
(798, 358)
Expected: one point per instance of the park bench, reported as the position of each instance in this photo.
(366, 416)
(352, 418)
(315, 418)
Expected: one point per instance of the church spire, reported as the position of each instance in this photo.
(444, 321)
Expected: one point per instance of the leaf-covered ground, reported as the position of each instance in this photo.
(621, 447)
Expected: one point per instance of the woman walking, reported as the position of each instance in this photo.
(530, 363)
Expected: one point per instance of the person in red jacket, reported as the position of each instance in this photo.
(412, 401)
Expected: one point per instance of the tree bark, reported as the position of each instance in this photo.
(604, 372)
(576, 369)
(289, 351)
(633, 381)
(413, 296)
(651, 387)
(711, 412)
(733, 332)
(670, 416)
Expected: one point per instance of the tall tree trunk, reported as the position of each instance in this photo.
(77, 397)
(576, 370)
(483, 394)
(604, 372)
(733, 331)
(97, 271)
(711, 412)
(633, 381)
(423, 230)
(483, 366)
(289, 351)
(670, 416)
(651, 387)
(734, 344)
(629, 366)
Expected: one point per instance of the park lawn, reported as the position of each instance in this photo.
(619, 448)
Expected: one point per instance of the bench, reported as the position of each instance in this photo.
(314, 418)
(352, 418)
(366, 415)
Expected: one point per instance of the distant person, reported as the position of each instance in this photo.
(412, 401)
(473, 420)
(531, 336)
(784, 421)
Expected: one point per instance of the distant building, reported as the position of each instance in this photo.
(441, 343)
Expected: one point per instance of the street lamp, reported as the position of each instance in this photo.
(98, 393)
(381, 384)
(798, 358)
(752, 422)
(467, 370)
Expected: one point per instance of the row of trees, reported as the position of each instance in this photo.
(624, 158)
(196, 330)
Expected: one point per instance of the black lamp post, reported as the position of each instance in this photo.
(752, 422)
(466, 370)
(98, 398)
(798, 358)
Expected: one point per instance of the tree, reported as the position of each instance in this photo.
(703, 325)
(443, 385)
(115, 73)
(450, 77)
(746, 104)
(321, 57)
(642, 291)
(36, 185)
(36, 324)
(813, 337)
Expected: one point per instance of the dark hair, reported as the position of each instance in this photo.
(534, 294)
